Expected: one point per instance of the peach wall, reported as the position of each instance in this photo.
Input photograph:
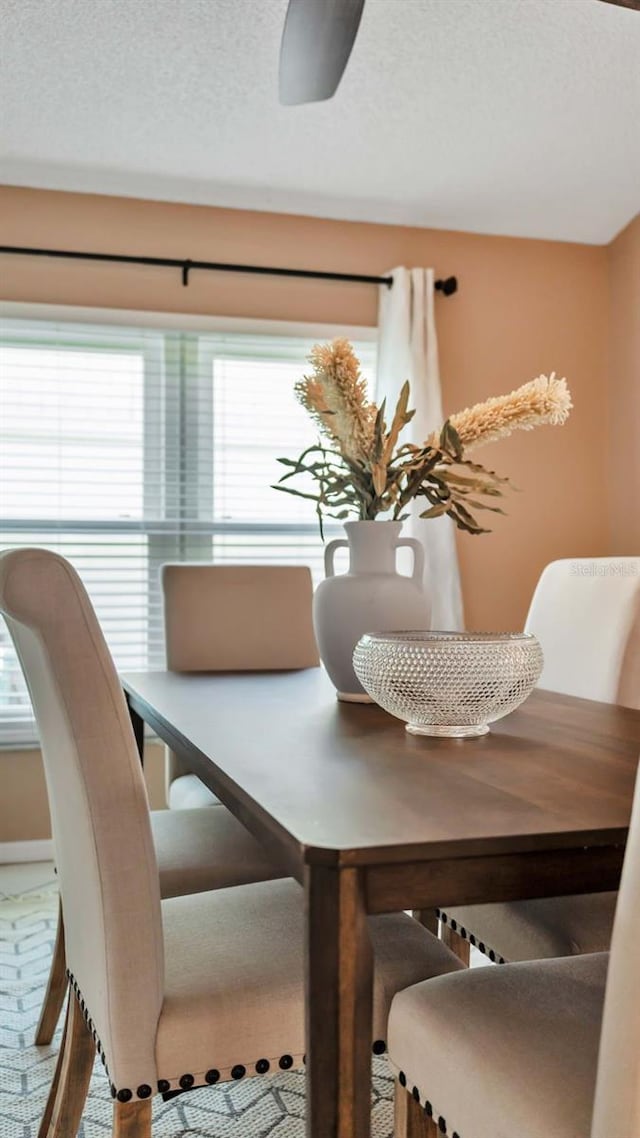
(24, 807)
(523, 307)
(624, 390)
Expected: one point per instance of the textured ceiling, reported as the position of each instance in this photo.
(497, 116)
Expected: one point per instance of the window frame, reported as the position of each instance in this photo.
(18, 734)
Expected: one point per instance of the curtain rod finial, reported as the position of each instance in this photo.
(448, 286)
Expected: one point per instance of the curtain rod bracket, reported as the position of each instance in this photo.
(186, 268)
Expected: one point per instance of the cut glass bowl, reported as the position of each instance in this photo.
(448, 683)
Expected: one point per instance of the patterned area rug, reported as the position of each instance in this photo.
(255, 1108)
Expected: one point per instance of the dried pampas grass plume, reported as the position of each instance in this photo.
(335, 396)
(364, 470)
(545, 400)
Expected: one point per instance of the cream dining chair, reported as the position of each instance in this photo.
(586, 615)
(216, 618)
(195, 851)
(233, 618)
(173, 994)
(525, 1051)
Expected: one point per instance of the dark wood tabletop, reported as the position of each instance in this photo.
(370, 819)
(346, 783)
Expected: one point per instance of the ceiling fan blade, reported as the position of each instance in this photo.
(633, 4)
(316, 44)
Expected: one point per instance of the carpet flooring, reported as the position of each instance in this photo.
(267, 1107)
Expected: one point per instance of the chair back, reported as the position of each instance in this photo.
(617, 1101)
(237, 618)
(586, 615)
(99, 811)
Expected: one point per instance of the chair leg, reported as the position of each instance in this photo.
(410, 1119)
(43, 1129)
(427, 918)
(458, 945)
(73, 1076)
(132, 1119)
(56, 989)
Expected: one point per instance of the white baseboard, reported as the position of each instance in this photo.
(11, 853)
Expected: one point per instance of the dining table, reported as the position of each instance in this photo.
(371, 819)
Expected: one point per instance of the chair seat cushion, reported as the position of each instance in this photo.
(198, 850)
(511, 1052)
(234, 979)
(535, 930)
(187, 792)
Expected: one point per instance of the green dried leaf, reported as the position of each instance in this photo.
(450, 441)
(465, 520)
(436, 511)
(400, 419)
(379, 476)
(296, 493)
(485, 506)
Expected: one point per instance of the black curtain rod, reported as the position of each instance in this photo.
(447, 286)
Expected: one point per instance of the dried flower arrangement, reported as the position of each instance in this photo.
(363, 470)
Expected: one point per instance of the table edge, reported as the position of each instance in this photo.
(296, 854)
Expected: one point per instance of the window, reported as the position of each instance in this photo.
(123, 448)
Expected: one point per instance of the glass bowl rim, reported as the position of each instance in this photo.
(433, 637)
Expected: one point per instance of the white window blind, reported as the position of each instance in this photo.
(123, 448)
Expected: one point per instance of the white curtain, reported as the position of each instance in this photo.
(408, 349)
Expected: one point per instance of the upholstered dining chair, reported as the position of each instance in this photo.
(586, 615)
(233, 618)
(217, 618)
(173, 994)
(196, 851)
(545, 1049)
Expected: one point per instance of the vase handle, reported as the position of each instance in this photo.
(418, 556)
(329, 550)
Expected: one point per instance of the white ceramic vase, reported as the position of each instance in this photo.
(371, 597)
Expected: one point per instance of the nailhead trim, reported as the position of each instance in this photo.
(91, 1027)
(186, 1081)
(462, 932)
(261, 1067)
(428, 1108)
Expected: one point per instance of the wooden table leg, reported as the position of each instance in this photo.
(339, 976)
(137, 722)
